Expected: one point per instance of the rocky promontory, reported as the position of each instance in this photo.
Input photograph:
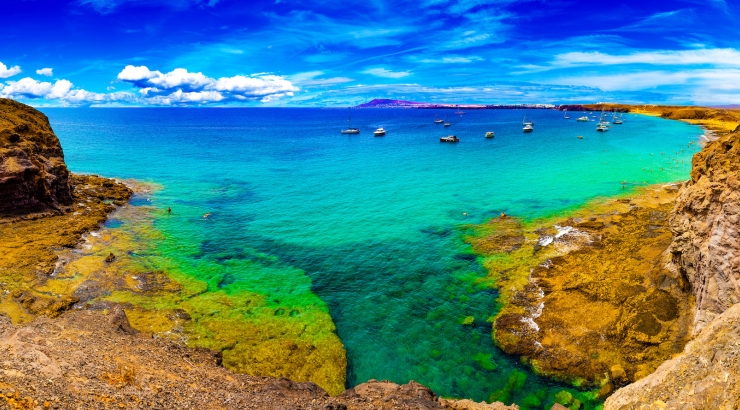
(33, 176)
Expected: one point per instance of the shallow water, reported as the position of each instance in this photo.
(374, 222)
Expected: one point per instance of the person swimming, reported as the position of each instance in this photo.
(169, 210)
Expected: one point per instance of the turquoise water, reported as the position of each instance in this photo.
(372, 221)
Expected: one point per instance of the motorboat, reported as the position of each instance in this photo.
(447, 124)
(349, 129)
(438, 121)
(528, 128)
(449, 138)
(379, 132)
(582, 119)
(580, 137)
(489, 134)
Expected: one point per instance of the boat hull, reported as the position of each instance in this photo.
(351, 131)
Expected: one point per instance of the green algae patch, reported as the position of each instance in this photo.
(259, 313)
(605, 262)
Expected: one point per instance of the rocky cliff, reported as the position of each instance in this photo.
(33, 176)
(705, 376)
(706, 227)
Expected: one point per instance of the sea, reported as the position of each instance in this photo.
(375, 223)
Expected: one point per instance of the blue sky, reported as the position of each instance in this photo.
(340, 52)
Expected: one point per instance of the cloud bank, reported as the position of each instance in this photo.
(181, 86)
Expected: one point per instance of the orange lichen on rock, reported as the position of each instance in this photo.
(589, 298)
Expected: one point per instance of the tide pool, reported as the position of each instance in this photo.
(373, 222)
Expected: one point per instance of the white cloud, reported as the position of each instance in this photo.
(382, 72)
(451, 60)
(310, 78)
(180, 86)
(45, 71)
(61, 90)
(716, 56)
(708, 79)
(6, 72)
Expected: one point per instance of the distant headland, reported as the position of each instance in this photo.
(388, 103)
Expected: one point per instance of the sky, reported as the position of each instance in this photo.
(345, 52)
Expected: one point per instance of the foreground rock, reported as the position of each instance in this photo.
(605, 263)
(705, 376)
(27, 251)
(33, 176)
(83, 359)
(706, 228)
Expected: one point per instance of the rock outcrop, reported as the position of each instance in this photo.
(83, 359)
(33, 176)
(705, 376)
(706, 227)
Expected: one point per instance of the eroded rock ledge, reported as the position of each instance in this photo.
(706, 229)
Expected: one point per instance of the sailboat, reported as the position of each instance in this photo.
(566, 114)
(603, 125)
(459, 111)
(437, 120)
(615, 119)
(349, 129)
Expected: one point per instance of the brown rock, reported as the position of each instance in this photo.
(119, 320)
(705, 376)
(33, 176)
(706, 228)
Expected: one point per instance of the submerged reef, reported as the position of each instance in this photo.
(55, 257)
(588, 298)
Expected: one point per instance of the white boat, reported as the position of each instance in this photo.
(615, 119)
(528, 128)
(349, 129)
(447, 124)
(603, 125)
(582, 119)
(489, 134)
(449, 138)
(566, 114)
(525, 121)
(459, 111)
(379, 132)
(437, 120)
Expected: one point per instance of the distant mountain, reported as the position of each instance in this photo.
(387, 103)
